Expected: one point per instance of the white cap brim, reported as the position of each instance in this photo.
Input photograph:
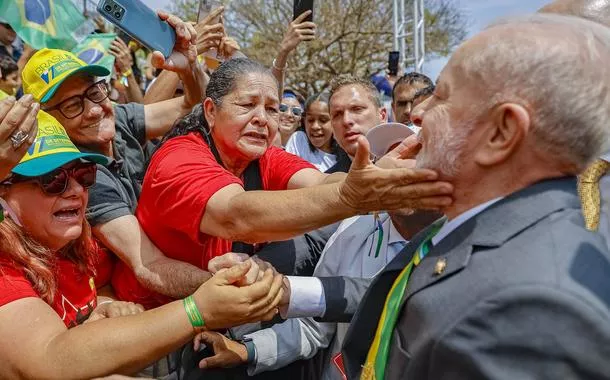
(382, 137)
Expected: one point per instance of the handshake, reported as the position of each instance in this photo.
(242, 290)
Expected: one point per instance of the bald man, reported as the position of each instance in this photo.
(511, 285)
(594, 182)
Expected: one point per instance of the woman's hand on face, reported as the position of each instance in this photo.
(227, 353)
(114, 309)
(297, 32)
(17, 120)
(368, 187)
(224, 303)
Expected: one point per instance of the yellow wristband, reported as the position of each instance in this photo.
(127, 73)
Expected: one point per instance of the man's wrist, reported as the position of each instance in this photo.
(250, 350)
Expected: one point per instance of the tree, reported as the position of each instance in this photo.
(353, 36)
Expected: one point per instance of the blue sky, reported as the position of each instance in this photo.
(479, 13)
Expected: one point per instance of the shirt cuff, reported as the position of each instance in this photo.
(306, 298)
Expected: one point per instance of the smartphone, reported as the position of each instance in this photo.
(302, 6)
(393, 59)
(206, 7)
(140, 22)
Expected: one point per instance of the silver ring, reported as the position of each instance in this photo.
(18, 138)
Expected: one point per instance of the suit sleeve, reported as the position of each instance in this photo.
(298, 256)
(527, 333)
(342, 296)
(287, 342)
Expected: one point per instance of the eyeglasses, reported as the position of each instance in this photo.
(75, 105)
(296, 111)
(56, 182)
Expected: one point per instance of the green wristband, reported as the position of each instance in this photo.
(193, 313)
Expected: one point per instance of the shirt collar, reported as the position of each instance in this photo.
(393, 235)
(451, 225)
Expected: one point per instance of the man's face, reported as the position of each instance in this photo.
(447, 121)
(353, 113)
(7, 34)
(94, 128)
(402, 103)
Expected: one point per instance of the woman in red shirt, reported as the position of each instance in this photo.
(52, 323)
(194, 204)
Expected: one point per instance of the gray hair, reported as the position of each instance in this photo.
(559, 66)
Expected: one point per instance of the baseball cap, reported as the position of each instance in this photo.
(49, 68)
(385, 136)
(52, 149)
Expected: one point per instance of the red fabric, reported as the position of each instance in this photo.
(181, 178)
(76, 295)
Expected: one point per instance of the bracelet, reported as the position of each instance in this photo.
(127, 73)
(278, 69)
(193, 313)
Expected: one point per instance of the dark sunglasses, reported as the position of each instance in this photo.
(75, 105)
(56, 182)
(296, 111)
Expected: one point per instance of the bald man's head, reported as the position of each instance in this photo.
(594, 10)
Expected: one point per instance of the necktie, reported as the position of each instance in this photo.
(376, 360)
(588, 189)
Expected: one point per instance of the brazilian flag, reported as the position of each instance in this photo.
(56, 24)
(94, 50)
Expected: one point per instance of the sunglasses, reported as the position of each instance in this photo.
(296, 111)
(56, 182)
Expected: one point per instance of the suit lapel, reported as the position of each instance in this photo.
(492, 228)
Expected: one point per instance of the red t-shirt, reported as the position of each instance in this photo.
(76, 295)
(181, 178)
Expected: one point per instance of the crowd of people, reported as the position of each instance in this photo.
(175, 219)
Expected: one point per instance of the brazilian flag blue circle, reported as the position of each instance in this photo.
(37, 11)
(91, 55)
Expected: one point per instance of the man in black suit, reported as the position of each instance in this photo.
(510, 285)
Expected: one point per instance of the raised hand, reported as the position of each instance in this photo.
(18, 128)
(297, 32)
(185, 49)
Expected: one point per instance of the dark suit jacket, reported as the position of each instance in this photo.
(525, 295)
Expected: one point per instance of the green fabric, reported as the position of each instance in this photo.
(394, 302)
(54, 24)
(94, 50)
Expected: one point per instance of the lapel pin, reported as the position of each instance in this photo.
(440, 266)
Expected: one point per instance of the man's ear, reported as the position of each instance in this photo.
(509, 124)
(209, 112)
(383, 114)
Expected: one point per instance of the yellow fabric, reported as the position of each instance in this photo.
(50, 139)
(588, 189)
(3, 95)
(47, 68)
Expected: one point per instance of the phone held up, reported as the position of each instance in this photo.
(139, 22)
(393, 58)
(302, 6)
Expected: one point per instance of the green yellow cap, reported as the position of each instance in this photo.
(48, 68)
(52, 149)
